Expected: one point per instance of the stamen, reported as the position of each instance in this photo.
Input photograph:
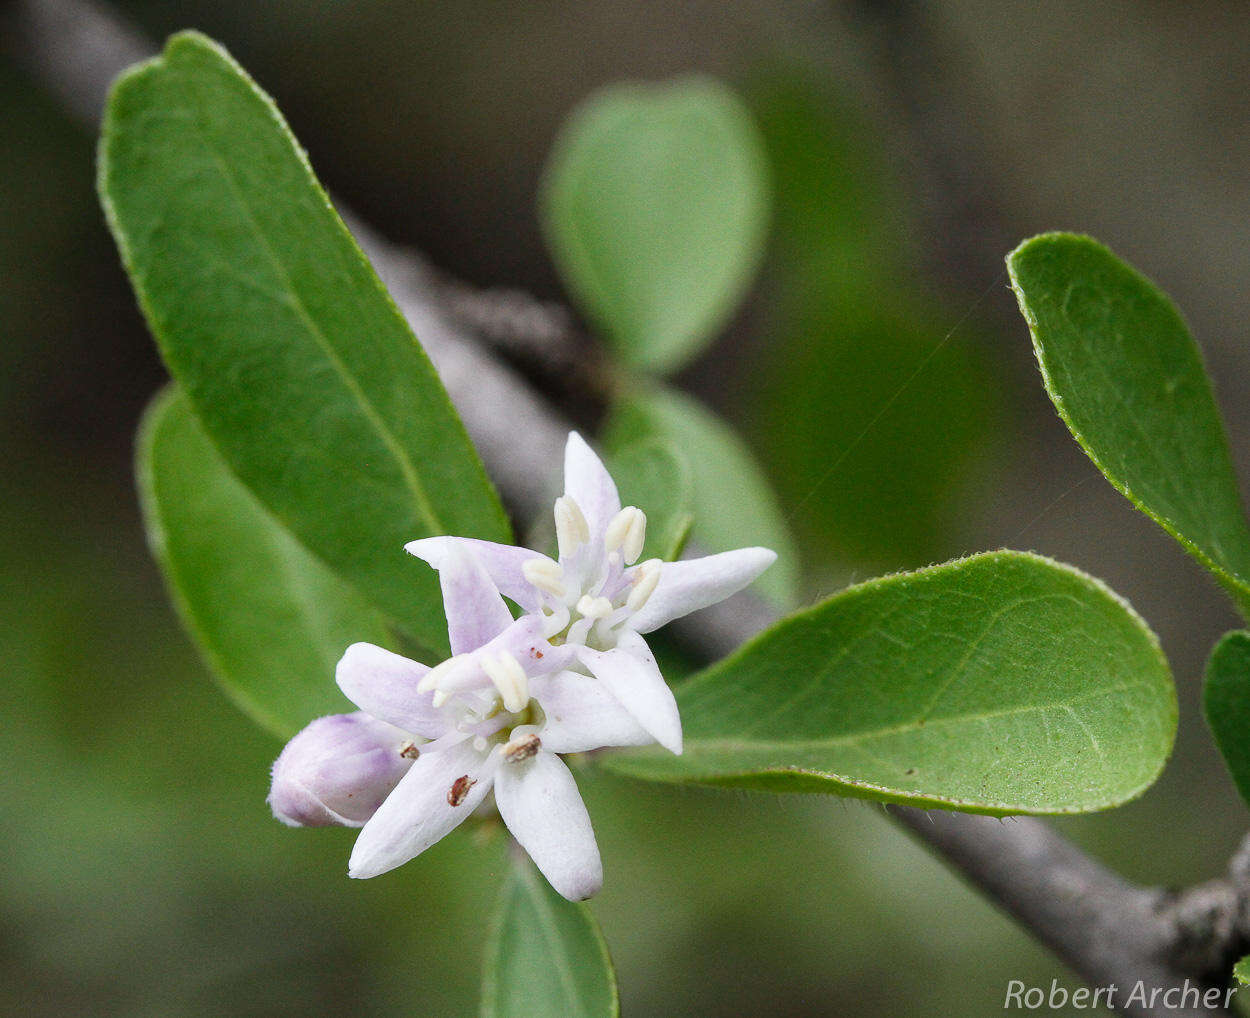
(545, 575)
(509, 677)
(441, 696)
(628, 532)
(435, 675)
(572, 531)
(594, 607)
(480, 744)
(409, 750)
(522, 748)
(556, 622)
(646, 577)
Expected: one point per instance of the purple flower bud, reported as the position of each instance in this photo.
(338, 770)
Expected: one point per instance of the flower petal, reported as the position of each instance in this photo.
(475, 611)
(630, 673)
(385, 685)
(582, 715)
(338, 770)
(692, 584)
(539, 801)
(419, 811)
(588, 483)
(503, 563)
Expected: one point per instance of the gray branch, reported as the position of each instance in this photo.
(1108, 930)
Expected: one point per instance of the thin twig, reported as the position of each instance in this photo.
(1107, 929)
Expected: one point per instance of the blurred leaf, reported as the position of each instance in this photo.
(655, 206)
(654, 476)
(868, 407)
(270, 619)
(1241, 971)
(546, 955)
(1002, 683)
(734, 506)
(1226, 702)
(1128, 381)
(295, 360)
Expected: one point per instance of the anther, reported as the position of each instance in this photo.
(460, 789)
(594, 607)
(572, 531)
(627, 532)
(522, 749)
(409, 750)
(435, 675)
(646, 577)
(509, 677)
(545, 575)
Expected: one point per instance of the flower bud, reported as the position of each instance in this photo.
(339, 770)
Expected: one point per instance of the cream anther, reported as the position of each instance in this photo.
(646, 577)
(438, 673)
(545, 575)
(572, 530)
(509, 678)
(594, 607)
(627, 532)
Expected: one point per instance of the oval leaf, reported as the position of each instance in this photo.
(270, 619)
(655, 206)
(295, 360)
(734, 505)
(1128, 380)
(1226, 703)
(546, 955)
(1002, 683)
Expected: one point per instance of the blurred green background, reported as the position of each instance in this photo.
(911, 145)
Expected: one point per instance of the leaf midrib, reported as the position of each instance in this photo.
(918, 725)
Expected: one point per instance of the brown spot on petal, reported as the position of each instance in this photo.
(522, 749)
(459, 789)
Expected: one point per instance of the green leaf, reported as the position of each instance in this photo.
(734, 505)
(1128, 380)
(1226, 702)
(299, 366)
(270, 619)
(654, 476)
(1241, 971)
(546, 955)
(874, 399)
(655, 206)
(1002, 683)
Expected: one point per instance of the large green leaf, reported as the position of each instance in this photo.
(299, 366)
(1128, 380)
(1002, 683)
(270, 618)
(734, 505)
(1226, 702)
(546, 955)
(655, 206)
(654, 476)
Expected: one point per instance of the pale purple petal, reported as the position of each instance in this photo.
(691, 584)
(338, 770)
(588, 483)
(419, 811)
(631, 675)
(475, 611)
(503, 563)
(539, 801)
(385, 685)
(582, 715)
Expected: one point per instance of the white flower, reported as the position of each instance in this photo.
(595, 599)
(432, 743)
